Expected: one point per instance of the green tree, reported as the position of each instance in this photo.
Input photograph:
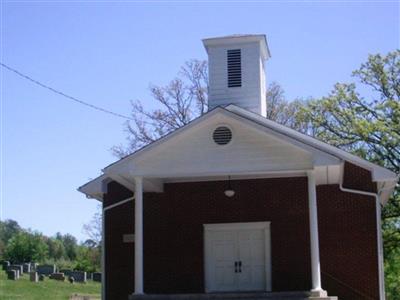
(56, 248)
(88, 259)
(26, 246)
(283, 111)
(392, 272)
(70, 245)
(8, 229)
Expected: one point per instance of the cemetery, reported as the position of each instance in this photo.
(35, 281)
(36, 271)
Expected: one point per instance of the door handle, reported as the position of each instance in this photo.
(240, 266)
(236, 266)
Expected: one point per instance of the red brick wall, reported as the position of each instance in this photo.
(357, 178)
(173, 235)
(173, 230)
(348, 241)
(119, 256)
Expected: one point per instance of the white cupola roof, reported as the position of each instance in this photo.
(237, 71)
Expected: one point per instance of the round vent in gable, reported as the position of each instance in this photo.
(222, 135)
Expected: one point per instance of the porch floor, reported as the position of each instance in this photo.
(222, 296)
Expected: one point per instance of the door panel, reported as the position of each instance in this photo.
(224, 253)
(244, 257)
(226, 247)
(251, 244)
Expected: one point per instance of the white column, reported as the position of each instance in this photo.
(312, 203)
(103, 254)
(138, 235)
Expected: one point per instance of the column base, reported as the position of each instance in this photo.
(321, 295)
(318, 293)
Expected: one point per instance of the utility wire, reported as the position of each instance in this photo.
(63, 94)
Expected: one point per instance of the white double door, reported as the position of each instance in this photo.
(236, 256)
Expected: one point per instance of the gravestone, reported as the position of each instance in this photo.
(6, 264)
(67, 272)
(46, 269)
(79, 276)
(34, 266)
(33, 276)
(57, 276)
(18, 268)
(41, 277)
(12, 274)
(96, 277)
(26, 267)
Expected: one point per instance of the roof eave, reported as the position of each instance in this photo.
(233, 39)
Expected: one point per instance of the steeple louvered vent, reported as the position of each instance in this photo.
(234, 68)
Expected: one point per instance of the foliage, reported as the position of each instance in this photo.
(70, 244)
(49, 289)
(392, 272)
(282, 111)
(8, 229)
(56, 248)
(63, 250)
(61, 263)
(26, 246)
(88, 259)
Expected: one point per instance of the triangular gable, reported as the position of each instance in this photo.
(191, 150)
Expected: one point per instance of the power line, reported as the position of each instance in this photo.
(63, 94)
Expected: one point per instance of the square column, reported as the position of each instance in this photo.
(314, 240)
(103, 253)
(138, 235)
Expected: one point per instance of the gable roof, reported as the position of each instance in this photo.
(326, 153)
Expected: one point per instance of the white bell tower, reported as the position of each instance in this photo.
(236, 66)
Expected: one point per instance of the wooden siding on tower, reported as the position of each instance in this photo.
(249, 94)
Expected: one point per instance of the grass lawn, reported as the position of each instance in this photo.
(43, 290)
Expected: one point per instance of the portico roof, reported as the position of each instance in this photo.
(262, 148)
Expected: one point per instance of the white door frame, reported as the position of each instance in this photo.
(238, 226)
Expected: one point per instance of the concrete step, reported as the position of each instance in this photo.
(226, 296)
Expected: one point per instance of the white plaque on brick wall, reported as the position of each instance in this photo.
(128, 238)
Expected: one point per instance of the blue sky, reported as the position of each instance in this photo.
(108, 54)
